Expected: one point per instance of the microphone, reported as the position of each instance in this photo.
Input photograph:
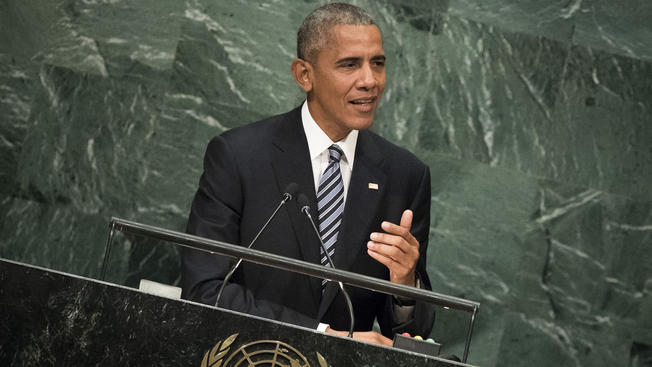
(305, 209)
(288, 194)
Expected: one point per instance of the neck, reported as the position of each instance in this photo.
(332, 130)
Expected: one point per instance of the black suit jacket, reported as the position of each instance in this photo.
(245, 171)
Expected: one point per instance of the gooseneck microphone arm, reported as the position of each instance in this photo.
(288, 194)
(305, 209)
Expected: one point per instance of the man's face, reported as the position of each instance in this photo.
(348, 80)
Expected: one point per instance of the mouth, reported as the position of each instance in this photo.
(364, 105)
(363, 101)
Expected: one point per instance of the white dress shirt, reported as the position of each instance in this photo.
(318, 143)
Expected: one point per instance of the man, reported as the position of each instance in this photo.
(372, 198)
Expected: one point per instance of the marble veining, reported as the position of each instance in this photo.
(534, 117)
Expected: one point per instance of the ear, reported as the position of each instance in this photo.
(303, 74)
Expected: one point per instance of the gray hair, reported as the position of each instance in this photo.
(314, 31)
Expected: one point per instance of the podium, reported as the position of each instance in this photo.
(53, 318)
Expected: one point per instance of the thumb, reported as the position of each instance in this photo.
(406, 219)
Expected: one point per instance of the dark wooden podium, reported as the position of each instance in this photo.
(57, 319)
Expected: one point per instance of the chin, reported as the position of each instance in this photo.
(361, 123)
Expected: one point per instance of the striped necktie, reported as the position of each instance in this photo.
(330, 204)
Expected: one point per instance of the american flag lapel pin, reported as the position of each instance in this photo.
(373, 186)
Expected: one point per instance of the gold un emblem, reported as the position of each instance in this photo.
(271, 353)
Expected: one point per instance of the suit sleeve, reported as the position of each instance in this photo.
(424, 313)
(216, 214)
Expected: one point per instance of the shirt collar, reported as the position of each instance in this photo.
(318, 141)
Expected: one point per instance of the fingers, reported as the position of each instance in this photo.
(366, 336)
(392, 229)
(389, 244)
(401, 269)
(397, 235)
(397, 239)
(336, 332)
(406, 219)
(372, 337)
(403, 227)
(401, 265)
(386, 260)
(397, 249)
(388, 254)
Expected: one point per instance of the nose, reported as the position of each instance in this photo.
(366, 78)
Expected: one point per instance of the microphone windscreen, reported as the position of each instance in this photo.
(291, 188)
(303, 200)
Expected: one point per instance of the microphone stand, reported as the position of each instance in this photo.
(287, 196)
(306, 210)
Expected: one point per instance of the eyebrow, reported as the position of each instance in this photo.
(356, 59)
(348, 60)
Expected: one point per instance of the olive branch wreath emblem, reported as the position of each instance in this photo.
(215, 356)
(219, 356)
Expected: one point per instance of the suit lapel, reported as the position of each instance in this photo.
(291, 163)
(361, 205)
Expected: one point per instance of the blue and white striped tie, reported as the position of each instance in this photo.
(330, 204)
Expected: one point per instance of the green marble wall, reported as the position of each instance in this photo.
(534, 116)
